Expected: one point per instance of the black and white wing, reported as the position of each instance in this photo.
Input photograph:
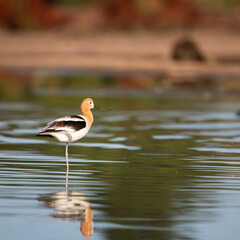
(68, 124)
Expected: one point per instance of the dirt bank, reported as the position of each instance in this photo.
(119, 53)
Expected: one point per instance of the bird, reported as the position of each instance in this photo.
(69, 129)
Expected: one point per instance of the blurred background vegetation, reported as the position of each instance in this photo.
(77, 18)
(25, 14)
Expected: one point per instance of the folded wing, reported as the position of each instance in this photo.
(69, 124)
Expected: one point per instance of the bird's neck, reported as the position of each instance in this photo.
(86, 112)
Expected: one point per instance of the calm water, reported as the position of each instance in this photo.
(150, 168)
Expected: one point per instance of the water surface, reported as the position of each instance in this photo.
(150, 168)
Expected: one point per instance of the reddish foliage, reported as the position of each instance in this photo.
(180, 12)
(45, 14)
(7, 15)
(29, 13)
(128, 13)
(121, 13)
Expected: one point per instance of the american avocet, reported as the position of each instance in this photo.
(71, 128)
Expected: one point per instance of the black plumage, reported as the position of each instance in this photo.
(78, 117)
(75, 125)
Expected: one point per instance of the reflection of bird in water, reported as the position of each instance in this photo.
(71, 128)
(71, 205)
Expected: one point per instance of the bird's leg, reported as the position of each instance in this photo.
(67, 156)
(70, 140)
(67, 180)
(69, 137)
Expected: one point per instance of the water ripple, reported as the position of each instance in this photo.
(108, 146)
(170, 137)
(217, 150)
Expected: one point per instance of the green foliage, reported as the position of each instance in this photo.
(215, 4)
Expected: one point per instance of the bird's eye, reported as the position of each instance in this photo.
(90, 102)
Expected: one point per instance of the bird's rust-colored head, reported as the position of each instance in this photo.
(87, 104)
